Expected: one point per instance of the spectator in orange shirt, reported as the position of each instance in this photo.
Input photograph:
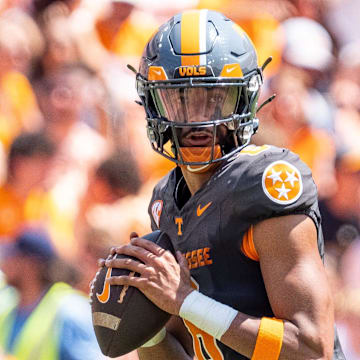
(122, 33)
(22, 197)
(18, 109)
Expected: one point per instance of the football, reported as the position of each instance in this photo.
(123, 317)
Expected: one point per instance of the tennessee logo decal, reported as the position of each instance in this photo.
(282, 182)
(156, 209)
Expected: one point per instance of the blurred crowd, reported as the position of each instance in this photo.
(74, 159)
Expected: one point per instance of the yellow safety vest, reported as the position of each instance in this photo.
(39, 337)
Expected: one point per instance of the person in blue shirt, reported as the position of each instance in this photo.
(42, 320)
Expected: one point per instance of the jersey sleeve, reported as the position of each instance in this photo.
(275, 183)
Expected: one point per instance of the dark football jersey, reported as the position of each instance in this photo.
(258, 183)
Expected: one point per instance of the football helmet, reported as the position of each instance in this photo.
(199, 73)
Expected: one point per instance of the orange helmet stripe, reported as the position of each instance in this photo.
(190, 37)
(193, 37)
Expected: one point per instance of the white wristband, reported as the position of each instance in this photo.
(158, 338)
(207, 314)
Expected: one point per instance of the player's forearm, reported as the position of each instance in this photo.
(168, 348)
(305, 337)
(297, 343)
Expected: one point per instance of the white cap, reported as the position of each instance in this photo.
(307, 44)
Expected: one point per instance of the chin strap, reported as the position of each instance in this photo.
(199, 154)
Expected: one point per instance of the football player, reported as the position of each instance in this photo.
(249, 280)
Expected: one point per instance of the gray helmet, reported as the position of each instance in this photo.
(199, 65)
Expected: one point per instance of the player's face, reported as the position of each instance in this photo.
(195, 105)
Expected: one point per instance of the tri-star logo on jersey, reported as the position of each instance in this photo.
(282, 183)
(156, 209)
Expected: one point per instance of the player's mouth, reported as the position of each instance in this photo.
(202, 138)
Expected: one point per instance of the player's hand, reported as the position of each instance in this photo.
(163, 280)
(101, 261)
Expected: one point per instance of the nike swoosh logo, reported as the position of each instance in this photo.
(157, 72)
(228, 70)
(105, 295)
(200, 210)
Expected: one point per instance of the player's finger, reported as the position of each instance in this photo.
(148, 245)
(113, 250)
(134, 235)
(117, 250)
(126, 280)
(101, 262)
(138, 252)
(129, 264)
